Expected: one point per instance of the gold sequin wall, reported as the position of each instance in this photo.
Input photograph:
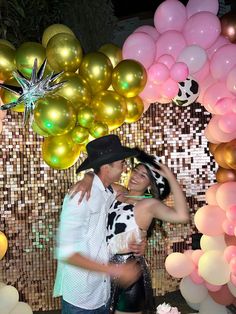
(32, 193)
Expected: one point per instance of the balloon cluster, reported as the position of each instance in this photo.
(98, 91)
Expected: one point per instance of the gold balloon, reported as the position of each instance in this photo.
(219, 155)
(79, 135)
(75, 89)
(64, 52)
(7, 62)
(25, 56)
(129, 78)
(212, 147)
(54, 29)
(98, 129)
(228, 26)
(37, 130)
(3, 245)
(96, 69)
(7, 43)
(225, 175)
(113, 52)
(85, 117)
(230, 154)
(54, 115)
(8, 96)
(60, 152)
(135, 109)
(110, 108)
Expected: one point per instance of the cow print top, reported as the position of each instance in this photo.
(122, 228)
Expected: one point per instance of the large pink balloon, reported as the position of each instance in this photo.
(208, 220)
(227, 123)
(171, 43)
(158, 73)
(170, 15)
(217, 135)
(231, 80)
(211, 194)
(179, 72)
(148, 29)
(140, 47)
(202, 29)
(214, 93)
(223, 106)
(179, 265)
(220, 41)
(194, 56)
(169, 89)
(151, 92)
(200, 75)
(225, 195)
(223, 60)
(167, 60)
(207, 82)
(195, 6)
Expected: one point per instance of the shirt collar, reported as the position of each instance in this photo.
(97, 181)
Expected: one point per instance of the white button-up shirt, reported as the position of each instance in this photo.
(82, 229)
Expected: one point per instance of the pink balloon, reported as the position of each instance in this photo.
(231, 80)
(195, 6)
(230, 252)
(202, 73)
(223, 106)
(223, 61)
(171, 43)
(222, 296)
(233, 279)
(232, 265)
(148, 29)
(178, 265)
(202, 29)
(209, 219)
(231, 213)
(196, 278)
(227, 122)
(211, 287)
(188, 253)
(209, 136)
(151, 92)
(211, 194)
(163, 100)
(233, 105)
(207, 82)
(140, 47)
(196, 256)
(218, 135)
(220, 41)
(167, 60)
(158, 73)
(170, 15)
(146, 105)
(194, 56)
(179, 72)
(214, 93)
(228, 227)
(169, 88)
(225, 195)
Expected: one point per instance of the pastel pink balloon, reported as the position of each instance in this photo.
(225, 195)
(231, 212)
(151, 92)
(179, 72)
(218, 135)
(167, 60)
(163, 100)
(196, 278)
(209, 219)
(148, 29)
(233, 105)
(212, 288)
(232, 265)
(207, 82)
(194, 57)
(227, 122)
(228, 227)
(158, 73)
(171, 43)
(146, 105)
(202, 29)
(214, 93)
(169, 88)
(188, 253)
(220, 41)
(202, 73)
(179, 265)
(170, 15)
(140, 47)
(231, 80)
(230, 252)
(223, 106)
(195, 6)
(233, 279)
(211, 194)
(223, 61)
(196, 256)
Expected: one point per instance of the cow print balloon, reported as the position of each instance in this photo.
(188, 93)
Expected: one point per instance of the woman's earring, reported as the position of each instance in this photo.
(149, 189)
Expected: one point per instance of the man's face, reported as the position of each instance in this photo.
(115, 170)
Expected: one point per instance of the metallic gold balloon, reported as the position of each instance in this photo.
(75, 89)
(54, 29)
(60, 152)
(7, 43)
(79, 135)
(7, 62)
(37, 130)
(225, 175)
(98, 129)
(64, 52)
(212, 147)
(135, 109)
(230, 154)
(55, 115)
(129, 78)
(113, 52)
(25, 56)
(219, 155)
(96, 69)
(85, 117)
(3, 245)
(110, 108)
(228, 26)
(8, 97)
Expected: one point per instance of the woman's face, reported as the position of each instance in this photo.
(139, 180)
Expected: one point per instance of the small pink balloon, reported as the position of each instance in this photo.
(196, 278)
(148, 29)
(215, 92)
(227, 122)
(196, 256)
(200, 75)
(220, 41)
(158, 73)
(167, 60)
(169, 88)
(211, 194)
(151, 92)
(146, 106)
(232, 265)
(229, 227)
(179, 72)
(223, 106)
(229, 253)
(211, 287)
(231, 212)
(195, 6)
(225, 195)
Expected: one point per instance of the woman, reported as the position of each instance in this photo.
(130, 218)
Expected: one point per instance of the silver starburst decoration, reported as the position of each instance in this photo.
(30, 90)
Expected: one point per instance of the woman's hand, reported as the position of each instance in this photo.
(165, 171)
(83, 187)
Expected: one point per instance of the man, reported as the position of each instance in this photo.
(83, 275)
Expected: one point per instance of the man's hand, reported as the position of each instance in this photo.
(138, 248)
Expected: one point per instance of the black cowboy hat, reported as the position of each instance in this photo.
(105, 150)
